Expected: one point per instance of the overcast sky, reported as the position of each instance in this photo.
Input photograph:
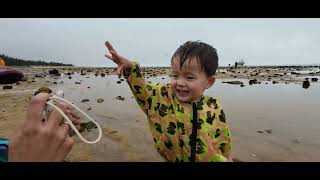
(153, 41)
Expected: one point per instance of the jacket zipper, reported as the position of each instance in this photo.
(193, 139)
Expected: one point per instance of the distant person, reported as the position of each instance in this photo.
(185, 124)
(235, 64)
(39, 141)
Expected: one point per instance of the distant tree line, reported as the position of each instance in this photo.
(11, 61)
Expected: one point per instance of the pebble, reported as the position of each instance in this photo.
(7, 87)
(120, 98)
(100, 100)
(306, 84)
(85, 100)
(233, 82)
(269, 131)
(43, 90)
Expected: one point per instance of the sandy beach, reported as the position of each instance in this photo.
(272, 112)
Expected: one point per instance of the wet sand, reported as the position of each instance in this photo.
(289, 110)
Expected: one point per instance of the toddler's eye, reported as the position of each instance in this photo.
(173, 76)
(190, 77)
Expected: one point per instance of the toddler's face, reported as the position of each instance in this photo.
(189, 82)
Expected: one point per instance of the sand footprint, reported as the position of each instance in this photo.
(114, 135)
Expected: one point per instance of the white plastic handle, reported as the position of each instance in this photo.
(70, 122)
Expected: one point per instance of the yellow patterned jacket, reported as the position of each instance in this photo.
(177, 136)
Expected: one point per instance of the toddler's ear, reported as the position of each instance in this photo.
(210, 81)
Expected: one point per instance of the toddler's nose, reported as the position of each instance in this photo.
(180, 82)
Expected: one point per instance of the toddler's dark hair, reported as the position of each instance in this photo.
(205, 54)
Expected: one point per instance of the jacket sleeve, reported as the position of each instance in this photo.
(143, 91)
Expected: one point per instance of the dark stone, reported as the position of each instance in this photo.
(43, 90)
(233, 82)
(274, 82)
(306, 84)
(85, 100)
(314, 79)
(87, 126)
(253, 81)
(260, 131)
(11, 76)
(269, 131)
(7, 87)
(118, 82)
(242, 85)
(120, 98)
(100, 100)
(77, 82)
(54, 72)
